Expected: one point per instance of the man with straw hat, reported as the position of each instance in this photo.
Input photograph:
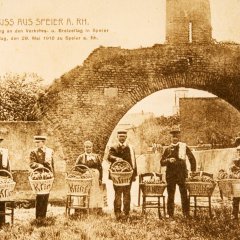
(122, 151)
(41, 156)
(174, 158)
(4, 165)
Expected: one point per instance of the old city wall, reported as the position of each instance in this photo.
(87, 102)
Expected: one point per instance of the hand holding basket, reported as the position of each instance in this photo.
(121, 173)
(41, 180)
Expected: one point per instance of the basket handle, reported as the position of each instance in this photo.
(81, 165)
(5, 171)
(39, 168)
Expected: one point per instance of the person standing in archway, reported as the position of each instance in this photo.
(174, 158)
(4, 165)
(41, 156)
(122, 151)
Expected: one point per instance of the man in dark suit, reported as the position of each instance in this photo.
(4, 165)
(118, 152)
(174, 158)
(41, 156)
(235, 171)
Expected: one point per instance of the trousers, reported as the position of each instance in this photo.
(171, 188)
(235, 206)
(122, 193)
(41, 205)
(2, 209)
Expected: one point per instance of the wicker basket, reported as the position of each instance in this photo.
(236, 188)
(229, 187)
(79, 186)
(225, 186)
(121, 178)
(153, 188)
(200, 189)
(6, 189)
(41, 186)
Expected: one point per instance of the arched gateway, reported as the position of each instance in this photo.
(88, 101)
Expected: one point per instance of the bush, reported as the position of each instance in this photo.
(19, 94)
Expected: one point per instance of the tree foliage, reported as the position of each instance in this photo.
(18, 96)
(156, 130)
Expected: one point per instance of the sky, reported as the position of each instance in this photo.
(130, 24)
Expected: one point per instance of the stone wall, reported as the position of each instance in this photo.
(210, 160)
(215, 159)
(18, 138)
(183, 15)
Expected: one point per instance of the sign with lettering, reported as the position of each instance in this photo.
(41, 186)
(6, 190)
(78, 187)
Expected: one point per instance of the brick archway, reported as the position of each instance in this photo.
(88, 101)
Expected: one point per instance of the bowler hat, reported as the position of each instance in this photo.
(174, 130)
(237, 141)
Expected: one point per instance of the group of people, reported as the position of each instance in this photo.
(173, 158)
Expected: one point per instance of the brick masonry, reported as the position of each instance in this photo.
(76, 108)
(88, 101)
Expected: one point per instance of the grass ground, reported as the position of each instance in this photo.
(57, 227)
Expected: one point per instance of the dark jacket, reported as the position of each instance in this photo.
(123, 152)
(177, 171)
(95, 162)
(38, 156)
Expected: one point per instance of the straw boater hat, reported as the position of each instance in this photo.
(39, 138)
(122, 132)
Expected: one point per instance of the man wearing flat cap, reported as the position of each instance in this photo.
(4, 165)
(174, 158)
(122, 151)
(41, 156)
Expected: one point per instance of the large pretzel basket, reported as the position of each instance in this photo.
(7, 184)
(41, 180)
(79, 180)
(119, 176)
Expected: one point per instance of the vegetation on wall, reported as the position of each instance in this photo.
(156, 130)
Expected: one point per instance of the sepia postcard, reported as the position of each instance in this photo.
(107, 86)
